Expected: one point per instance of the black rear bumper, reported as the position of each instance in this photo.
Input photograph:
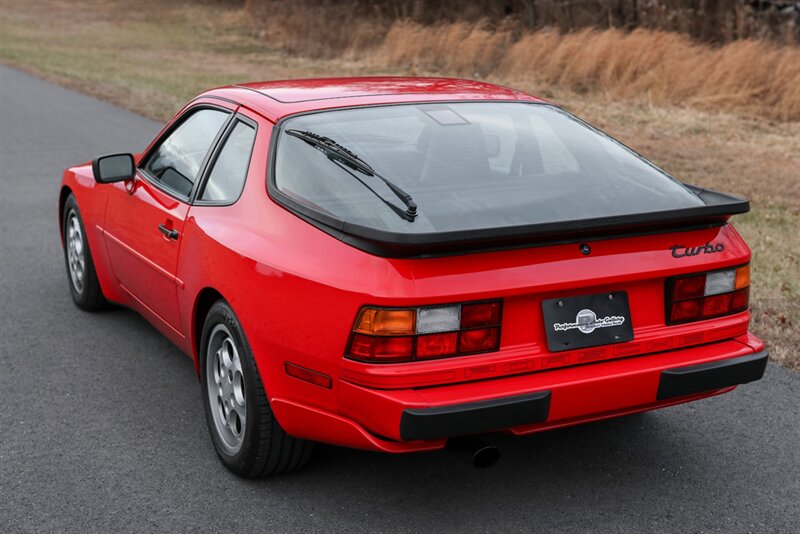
(693, 379)
(506, 412)
(474, 417)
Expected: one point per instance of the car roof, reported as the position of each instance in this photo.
(277, 99)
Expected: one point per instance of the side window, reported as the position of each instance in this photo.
(230, 169)
(176, 162)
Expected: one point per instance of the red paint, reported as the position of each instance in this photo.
(297, 291)
(145, 262)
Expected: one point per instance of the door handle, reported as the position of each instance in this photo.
(169, 232)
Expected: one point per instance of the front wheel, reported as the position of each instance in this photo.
(246, 435)
(83, 283)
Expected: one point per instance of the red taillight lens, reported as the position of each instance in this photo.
(716, 305)
(361, 346)
(707, 295)
(393, 347)
(384, 349)
(435, 345)
(689, 287)
(479, 340)
(385, 335)
(688, 310)
(740, 300)
(482, 314)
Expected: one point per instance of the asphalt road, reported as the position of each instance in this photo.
(101, 424)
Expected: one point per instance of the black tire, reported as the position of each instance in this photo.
(265, 448)
(87, 294)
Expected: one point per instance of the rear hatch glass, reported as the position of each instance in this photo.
(468, 168)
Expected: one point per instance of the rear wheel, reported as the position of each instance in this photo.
(83, 283)
(246, 435)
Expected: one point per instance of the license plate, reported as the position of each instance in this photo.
(587, 321)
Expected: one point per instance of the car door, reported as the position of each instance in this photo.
(145, 217)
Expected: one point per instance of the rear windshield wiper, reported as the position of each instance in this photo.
(341, 155)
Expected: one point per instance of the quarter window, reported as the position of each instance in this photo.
(176, 162)
(230, 169)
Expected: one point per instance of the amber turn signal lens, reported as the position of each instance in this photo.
(386, 322)
(742, 277)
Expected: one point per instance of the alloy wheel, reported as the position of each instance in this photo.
(226, 389)
(76, 259)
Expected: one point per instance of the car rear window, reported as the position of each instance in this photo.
(467, 166)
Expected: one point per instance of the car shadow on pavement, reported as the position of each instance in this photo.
(611, 464)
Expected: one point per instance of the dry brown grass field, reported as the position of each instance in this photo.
(750, 76)
(724, 117)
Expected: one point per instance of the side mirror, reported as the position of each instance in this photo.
(114, 168)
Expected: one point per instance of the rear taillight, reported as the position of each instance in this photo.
(701, 296)
(390, 335)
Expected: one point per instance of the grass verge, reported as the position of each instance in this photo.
(153, 59)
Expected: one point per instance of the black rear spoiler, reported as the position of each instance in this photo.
(719, 207)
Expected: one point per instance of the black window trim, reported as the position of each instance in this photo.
(215, 152)
(188, 112)
(717, 210)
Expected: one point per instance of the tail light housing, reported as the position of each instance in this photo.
(699, 296)
(392, 335)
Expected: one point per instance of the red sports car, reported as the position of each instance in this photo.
(394, 263)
